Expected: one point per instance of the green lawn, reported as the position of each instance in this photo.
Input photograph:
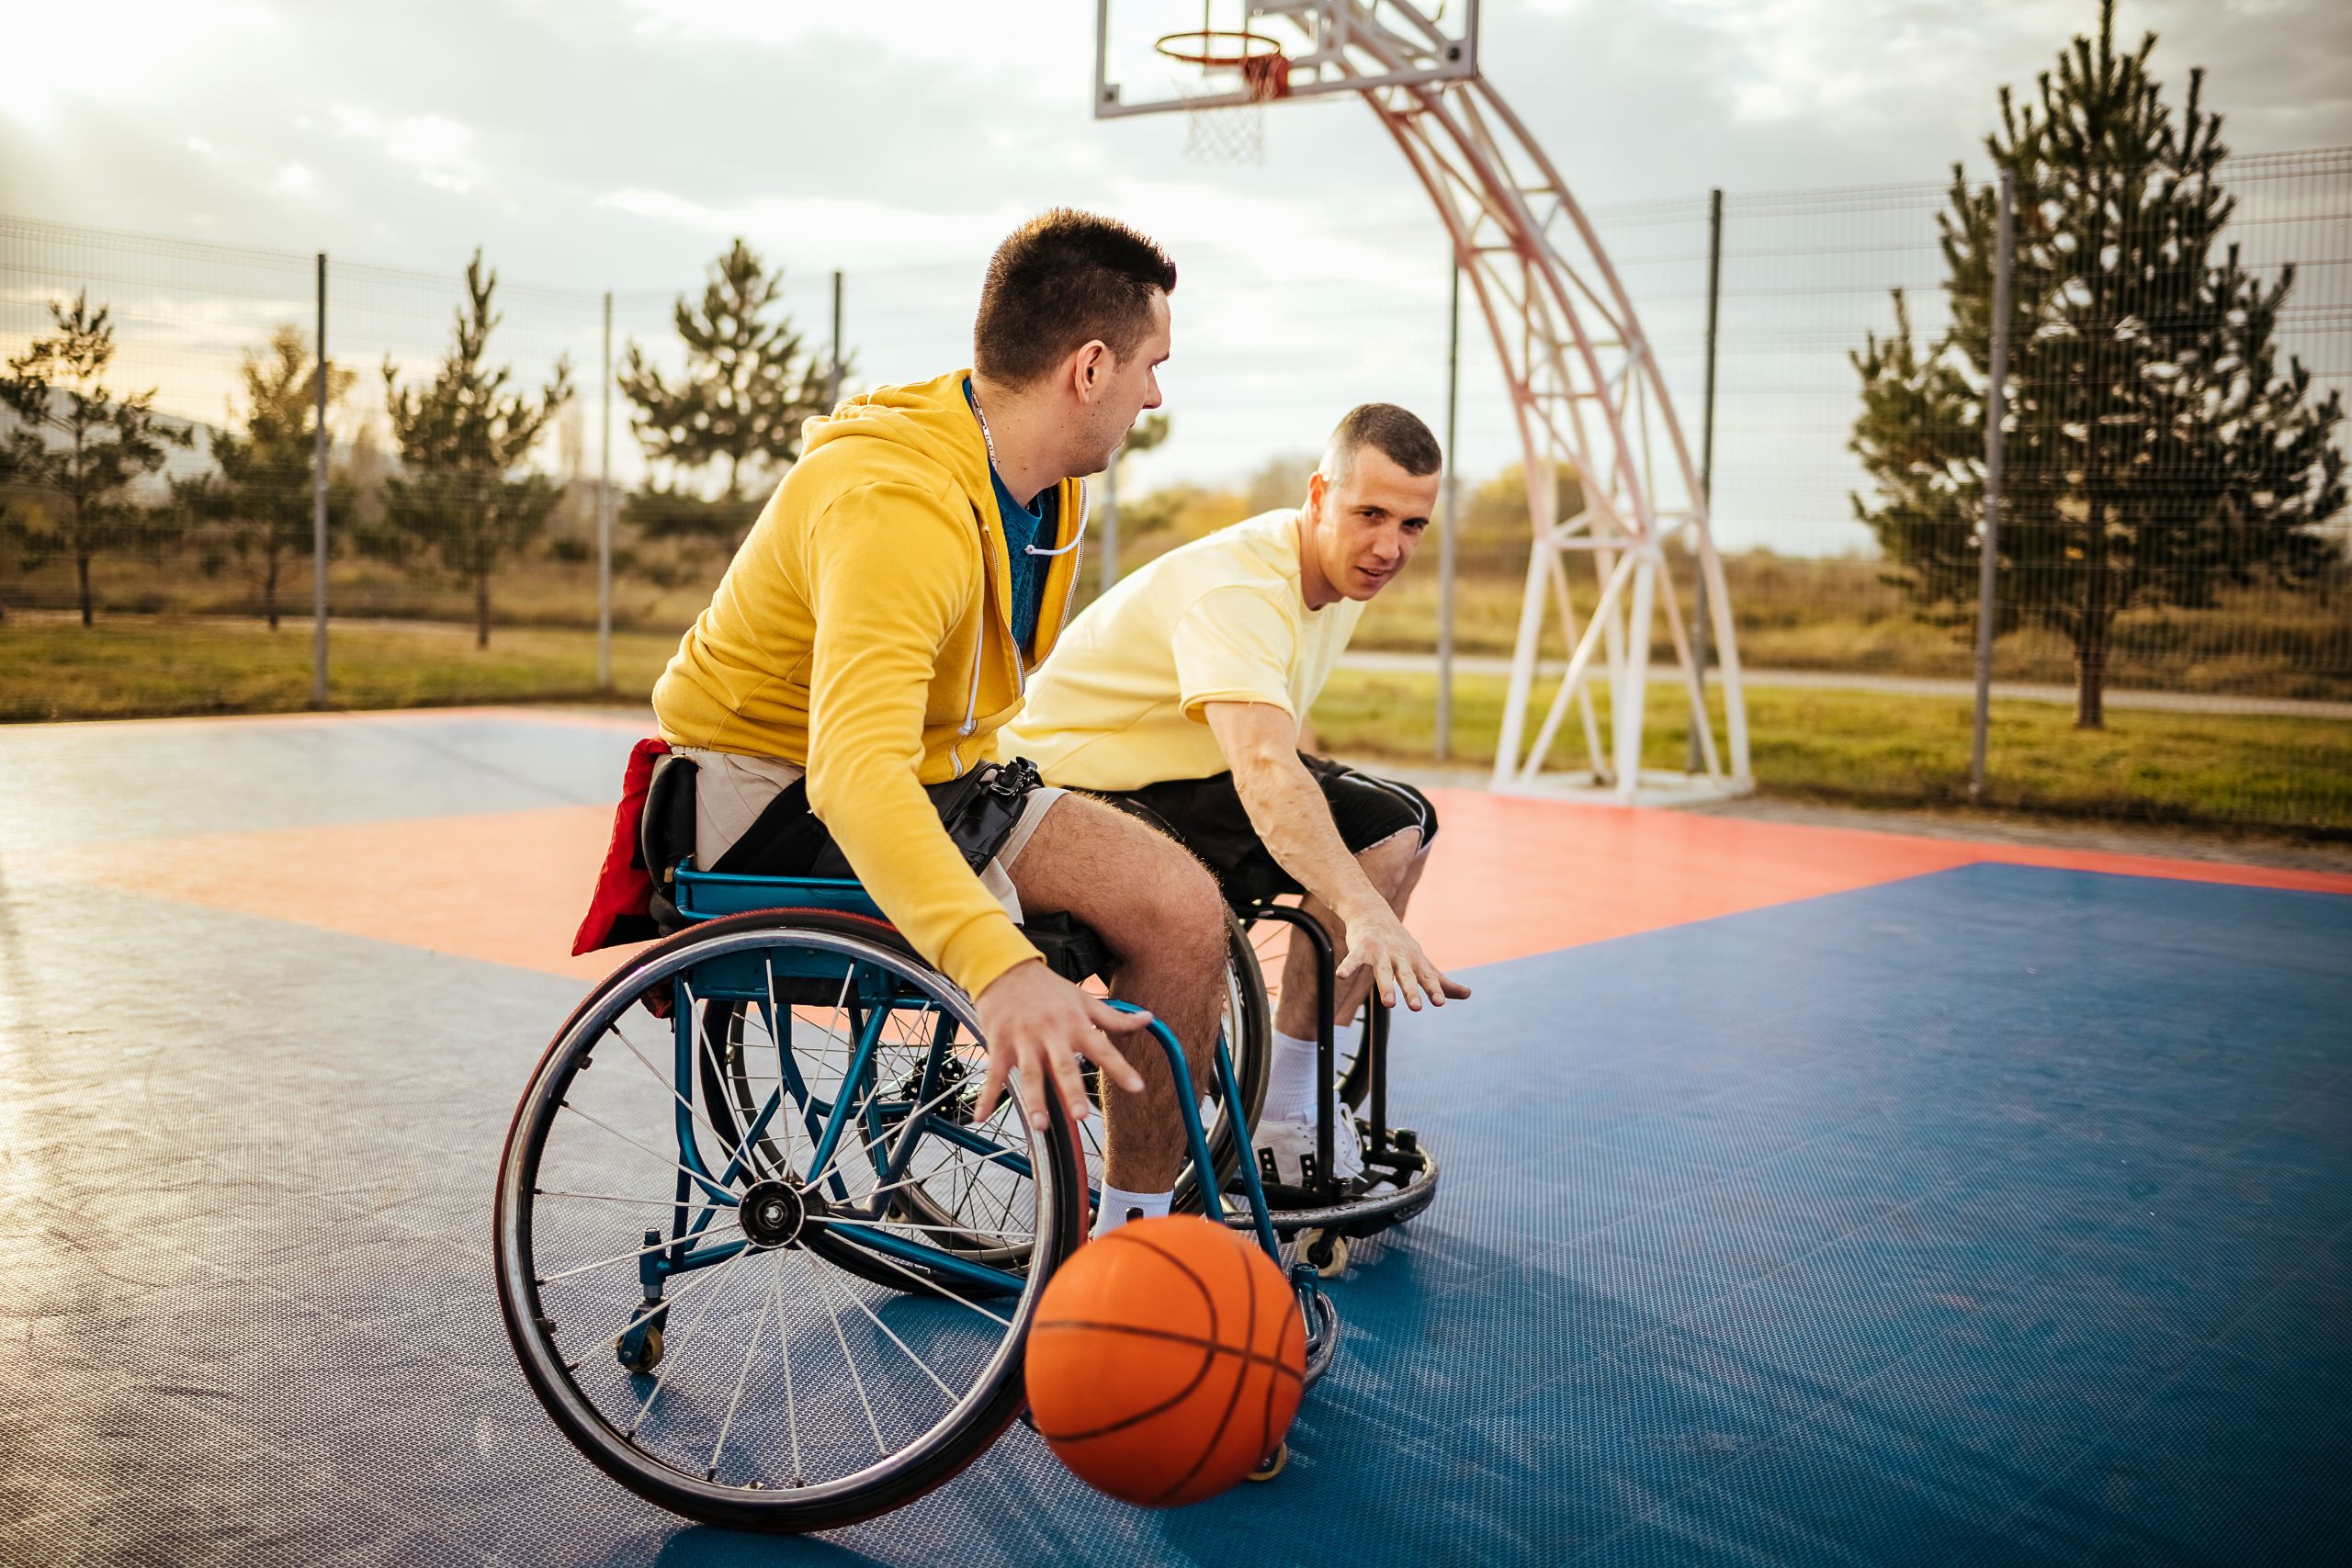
(1870, 749)
(1856, 748)
(53, 668)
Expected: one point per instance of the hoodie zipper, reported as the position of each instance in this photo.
(980, 646)
(979, 649)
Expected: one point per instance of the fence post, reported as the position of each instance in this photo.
(1446, 542)
(1996, 407)
(605, 517)
(1109, 526)
(319, 509)
(1698, 759)
(833, 381)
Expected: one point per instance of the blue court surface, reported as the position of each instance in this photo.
(1998, 1214)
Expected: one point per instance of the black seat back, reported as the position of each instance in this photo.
(665, 834)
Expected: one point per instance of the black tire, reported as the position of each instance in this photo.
(970, 1422)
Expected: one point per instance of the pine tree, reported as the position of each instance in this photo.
(262, 502)
(79, 443)
(463, 493)
(2153, 451)
(747, 383)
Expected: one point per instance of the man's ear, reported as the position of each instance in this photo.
(1318, 487)
(1090, 370)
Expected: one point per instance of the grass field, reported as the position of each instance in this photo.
(1855, 748)
(53, 668)
(1870, 749)
(1794, 613)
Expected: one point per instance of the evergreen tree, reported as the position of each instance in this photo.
(463, 494)
(2154, 450)
(80, 444)
(262, 501)
(747, 383)
(26, 542)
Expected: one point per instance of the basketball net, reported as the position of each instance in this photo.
(1231, 133)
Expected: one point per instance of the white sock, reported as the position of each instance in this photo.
(1290, 1082)
(1119, 1207)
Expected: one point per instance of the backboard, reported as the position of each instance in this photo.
(1156, 56)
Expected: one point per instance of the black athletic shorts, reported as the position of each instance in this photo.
(1206, 817)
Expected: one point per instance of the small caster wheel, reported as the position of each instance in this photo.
(1328, 1250)
(641, 1353)
(1272, 1464)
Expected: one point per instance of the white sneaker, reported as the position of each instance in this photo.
(1286, 1151)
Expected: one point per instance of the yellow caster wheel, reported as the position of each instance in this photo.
(1327, 1250)
(1273, 1463)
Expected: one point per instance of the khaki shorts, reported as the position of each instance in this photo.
(732, 789)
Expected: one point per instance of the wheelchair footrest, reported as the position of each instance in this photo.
(1403, 1177)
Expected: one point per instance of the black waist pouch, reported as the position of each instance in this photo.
(979, 810)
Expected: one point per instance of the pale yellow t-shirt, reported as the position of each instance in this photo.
(1118, 704)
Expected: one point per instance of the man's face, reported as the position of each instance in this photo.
(1364, 528)
(1130, 388)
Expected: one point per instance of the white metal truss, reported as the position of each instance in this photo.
(1585, 390)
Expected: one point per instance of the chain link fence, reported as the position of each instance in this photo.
(476, 447)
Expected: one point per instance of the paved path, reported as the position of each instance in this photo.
(1904, 685)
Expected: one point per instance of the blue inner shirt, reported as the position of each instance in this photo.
(1022, 528)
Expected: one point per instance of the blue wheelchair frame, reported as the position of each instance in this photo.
(703, 895)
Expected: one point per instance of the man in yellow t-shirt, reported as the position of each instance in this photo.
(1183, 695)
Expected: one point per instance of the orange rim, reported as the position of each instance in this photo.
(1218, 49)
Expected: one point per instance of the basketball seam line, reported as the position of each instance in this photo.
(1200, 1374)
(1256, 1358)
(1233, 1399)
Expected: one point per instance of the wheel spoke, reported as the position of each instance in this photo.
(825, 1297)
(617, 1198)
(703, 1277)
(934, 1287)
(731, 1151)
(670, 1355)
(741, 1378)
(607, 1263)
(783, 1354)
(909, 1225)
(857, 1302)
(707, 1182)
(864, 1147)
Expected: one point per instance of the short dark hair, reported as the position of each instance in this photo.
(1396, 433)
(1058, 282)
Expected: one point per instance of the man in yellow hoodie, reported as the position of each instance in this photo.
(878, 625)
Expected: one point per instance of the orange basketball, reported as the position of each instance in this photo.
(1167, 1361)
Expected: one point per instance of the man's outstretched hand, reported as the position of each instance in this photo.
(1039, 1022)
(1378, 941)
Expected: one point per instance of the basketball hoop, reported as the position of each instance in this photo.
(1228, 62)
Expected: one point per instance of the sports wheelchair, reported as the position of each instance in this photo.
(758, 1253)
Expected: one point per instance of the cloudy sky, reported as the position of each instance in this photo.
(595, 144)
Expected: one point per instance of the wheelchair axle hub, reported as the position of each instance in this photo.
(776, 1214)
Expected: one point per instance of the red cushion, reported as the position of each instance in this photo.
(618, 911)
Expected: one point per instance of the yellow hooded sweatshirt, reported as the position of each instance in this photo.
(864, 633)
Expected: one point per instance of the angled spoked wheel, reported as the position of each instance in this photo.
(1269, 941)
(1248, 1025)
(758, 1258)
